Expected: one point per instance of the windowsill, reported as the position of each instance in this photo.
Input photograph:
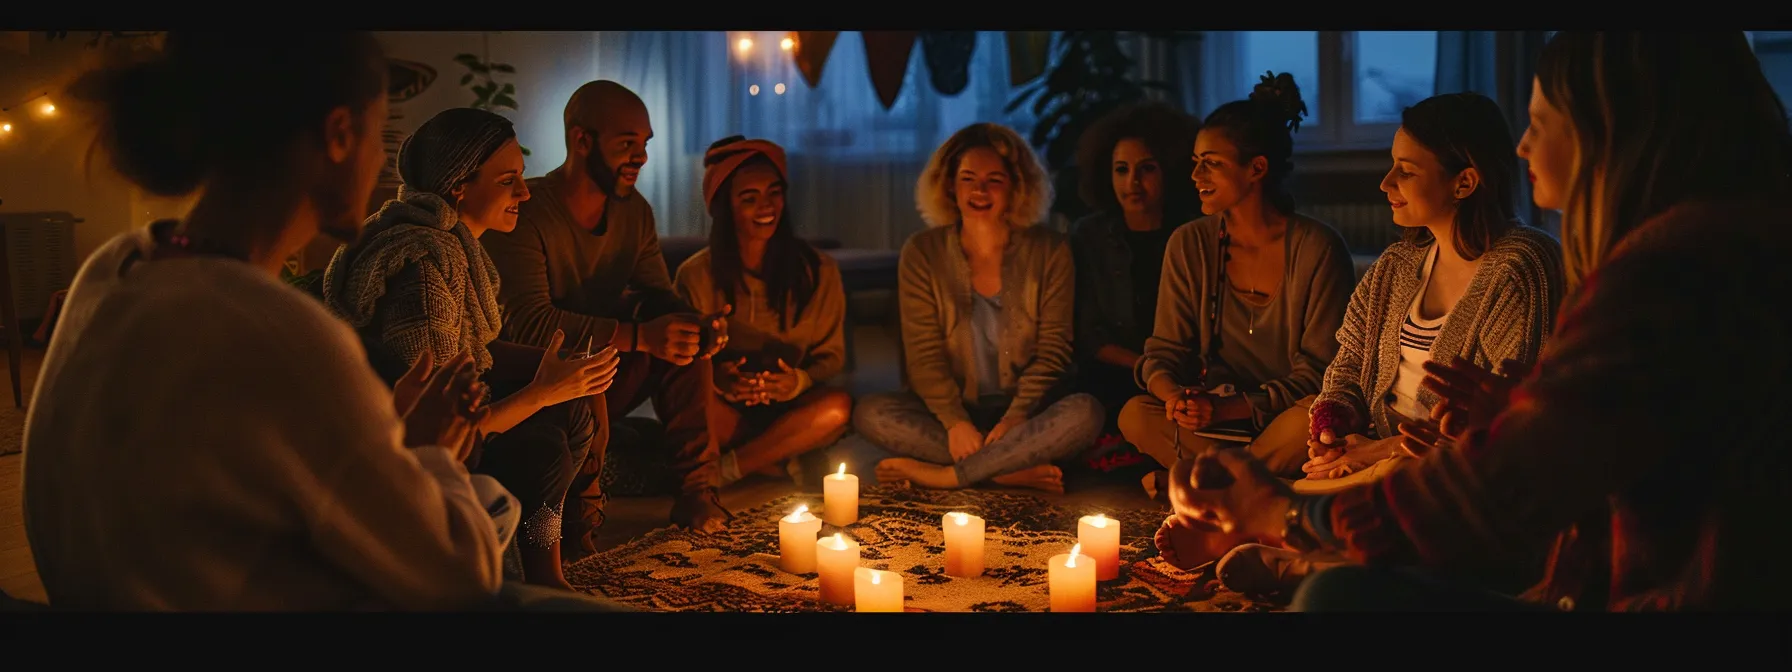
(1342, 158)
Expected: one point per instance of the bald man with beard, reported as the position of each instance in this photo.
(584, 258)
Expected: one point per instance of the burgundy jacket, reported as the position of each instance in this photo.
(1651, 442)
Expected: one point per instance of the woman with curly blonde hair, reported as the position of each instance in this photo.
(987, 304)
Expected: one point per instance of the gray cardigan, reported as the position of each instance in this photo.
(1506, 313)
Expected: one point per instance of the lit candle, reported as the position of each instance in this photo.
(836, 557)
(1099, 536)
(796, 541)
(840, 498)
(964, 544)
(1071, 580)
(874, 590)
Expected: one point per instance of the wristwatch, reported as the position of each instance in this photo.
(1294, 531)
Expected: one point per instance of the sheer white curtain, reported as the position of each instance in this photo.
(853, 164)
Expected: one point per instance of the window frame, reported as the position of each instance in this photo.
(1337, 130)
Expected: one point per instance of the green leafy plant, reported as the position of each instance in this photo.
(488, 92)
(1090, 76)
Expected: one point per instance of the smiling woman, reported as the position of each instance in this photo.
(418, 284)
(786, 336)
(986, 302)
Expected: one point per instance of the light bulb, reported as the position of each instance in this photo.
(49, 108)
(5, 128)
(779, 89)
(753, 90)
(787, 44)
(744, 45)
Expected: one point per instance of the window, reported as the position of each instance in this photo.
(841, 116)
(1774, 48)
(1354, 83)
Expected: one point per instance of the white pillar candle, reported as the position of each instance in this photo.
(835, 558)
(840, 498)
(964, 544)
(875, 590)
(1099, 536)
(1071, 580)
(796, 541)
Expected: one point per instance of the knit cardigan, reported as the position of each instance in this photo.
(419, 282)
(1506, 312)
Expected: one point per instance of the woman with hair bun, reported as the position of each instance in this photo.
(1251, 298)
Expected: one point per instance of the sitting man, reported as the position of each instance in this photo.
(584, 259)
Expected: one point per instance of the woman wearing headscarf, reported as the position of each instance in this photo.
(418, 282)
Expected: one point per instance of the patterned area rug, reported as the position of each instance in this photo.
(898, 530)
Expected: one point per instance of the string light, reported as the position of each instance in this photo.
(753, 90)
(744, 45)
(5, 128)
(779, 89)
(787, 44)
(48, 108)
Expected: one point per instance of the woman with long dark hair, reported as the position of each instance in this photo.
(1251, 298)
(1657, 468)
(787, 331)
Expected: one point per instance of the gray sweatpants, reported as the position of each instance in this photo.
(901, 423)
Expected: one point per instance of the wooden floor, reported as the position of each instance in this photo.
(628, 518)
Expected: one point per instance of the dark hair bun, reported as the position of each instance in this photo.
(1279, 96)
(215, 101)
(140, 120)
(724, 142)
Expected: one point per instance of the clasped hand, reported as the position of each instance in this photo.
(758, 388)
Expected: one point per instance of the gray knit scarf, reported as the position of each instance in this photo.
(418, 228)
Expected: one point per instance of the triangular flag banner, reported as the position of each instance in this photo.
(886, 56)
(1028, 53)
(948, 56)
(812, 49)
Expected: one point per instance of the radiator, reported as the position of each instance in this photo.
(40, 247)
(1368, 228)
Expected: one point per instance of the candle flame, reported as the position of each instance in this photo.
(797, 515)
(839, 542)
(842, 472)
(1099, 521)
(961, 518)
(876, 577)
(1074, 550)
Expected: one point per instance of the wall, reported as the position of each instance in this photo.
(42, 162)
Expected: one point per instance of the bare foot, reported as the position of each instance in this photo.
(1043, 477)
(916, 472)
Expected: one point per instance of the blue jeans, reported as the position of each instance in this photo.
(900, 422)
(1358, 588)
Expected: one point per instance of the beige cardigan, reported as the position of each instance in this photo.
(1315, 292)
(1505, 313)
(206, 438)
(1038, 303)
(814, 342)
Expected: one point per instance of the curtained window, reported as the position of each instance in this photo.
(1354, 82)
(853, 164)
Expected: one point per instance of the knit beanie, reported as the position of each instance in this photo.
(446, 150)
